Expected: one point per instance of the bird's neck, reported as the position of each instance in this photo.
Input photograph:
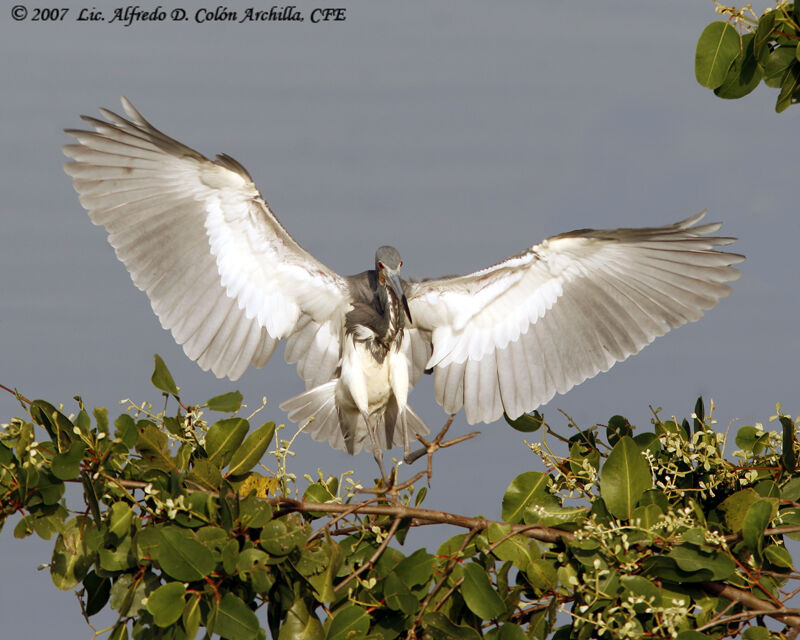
(392, 320)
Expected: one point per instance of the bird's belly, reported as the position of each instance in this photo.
(366, 381)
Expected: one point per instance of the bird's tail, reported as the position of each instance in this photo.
(346, 430)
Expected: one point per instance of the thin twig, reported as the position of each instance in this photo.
(374, 557)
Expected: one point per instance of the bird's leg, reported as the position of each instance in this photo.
(376, 450)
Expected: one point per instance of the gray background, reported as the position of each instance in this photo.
(460, 133)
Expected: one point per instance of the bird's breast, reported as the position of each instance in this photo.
(371, 381)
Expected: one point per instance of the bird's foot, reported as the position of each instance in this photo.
(429, 447)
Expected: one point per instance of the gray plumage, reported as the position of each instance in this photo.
(229, 282)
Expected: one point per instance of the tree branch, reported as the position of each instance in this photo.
(755, 604)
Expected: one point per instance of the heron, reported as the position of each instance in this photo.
(227, 279)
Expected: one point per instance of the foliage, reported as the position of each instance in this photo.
(630, 534)
(735, 56)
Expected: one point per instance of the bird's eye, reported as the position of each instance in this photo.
(380, 266)
(401, 263)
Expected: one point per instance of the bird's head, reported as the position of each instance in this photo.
(387, 265)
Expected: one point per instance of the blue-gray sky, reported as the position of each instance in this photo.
(458, 132)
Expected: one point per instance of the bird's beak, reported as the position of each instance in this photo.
(394, 282)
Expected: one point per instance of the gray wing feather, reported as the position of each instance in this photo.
(511, 336)
(221, 272)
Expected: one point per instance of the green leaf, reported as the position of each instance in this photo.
(227, 402)
(743, 76)
(224, 438)
(119, 632)
(398, 595)
(235, 620)
(191, 615)
(526, 423)
(279, 537)
(57, 425)
(787, 95)
(518, 549)
(512, 631)
(323, 582)
(618, 426)
(479, 595)
(755, 522)
(162, 378)
(735, 507)
(98, 591)
(71, 559)
(117, 559)
(717, 48)
(776, 65)
(625, 476)
(647, 515)
(152, 444)
(119, 520)
(300, 623)
(791, 490)
(252, 565)
(523, 489)
(757, 633)
(416, 569)
(166, 603)
(447, 629)
(691, 634)
(349, 621)
(251, 450)
(126, 430)
(639, 587)
(779, 556)
(691, 559)
(762, 35)
(542, 576)
(182, 557)
(67, 465)
(788, 457)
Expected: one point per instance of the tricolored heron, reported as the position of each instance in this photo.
(229, 282)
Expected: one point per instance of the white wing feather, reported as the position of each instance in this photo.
(509, 337)
(221, 273)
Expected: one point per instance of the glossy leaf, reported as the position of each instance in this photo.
(349, 621)
(763, 34)
(398, 596)
(416, 569)
(224, 438)
(162, 378)
(301, 624)
(690, 559)
(235, 620)
(479, 595)
(182, 557)
(522, 490)
(252, 450)
(447, 629)
(227, 402)
(789, 457)
(526, 423)
(717, 48)
(790, 86)
(98, 591)
(166, 603)
(71, 559)
(754, 523)
(742, 78)
(67, 465)
(625, 476)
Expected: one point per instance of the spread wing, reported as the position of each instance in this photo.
(509, 337)
(221, 272)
